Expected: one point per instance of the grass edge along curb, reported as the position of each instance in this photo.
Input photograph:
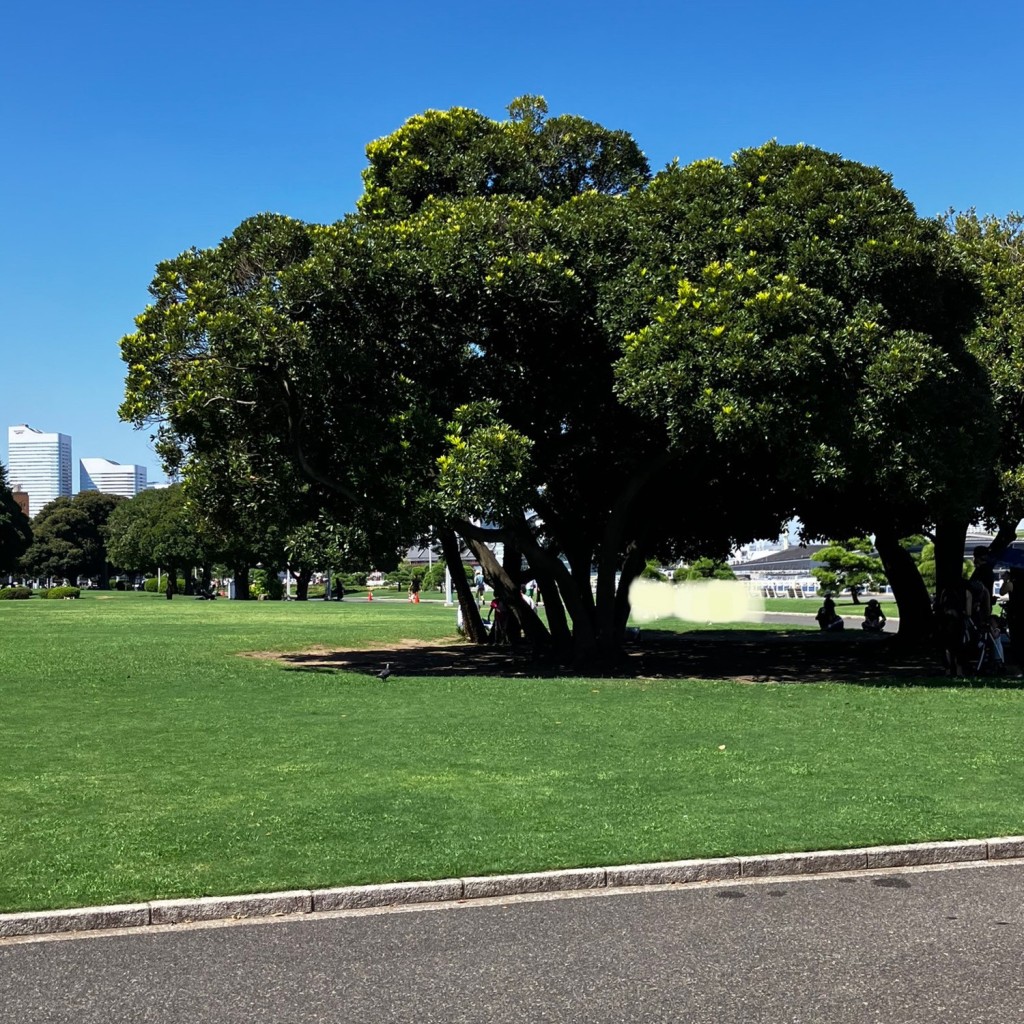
(305, 901)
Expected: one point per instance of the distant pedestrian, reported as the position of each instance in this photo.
(499, 626)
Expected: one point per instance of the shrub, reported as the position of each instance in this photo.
(433, 578)
(352, 579)
(704, 569)
(266, 584)
(150, 585)
(15, 594)
(58, 593)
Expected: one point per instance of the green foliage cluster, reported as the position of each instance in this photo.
(70, 537)
(434, 576)
(15, 531)
(15, 593)
(59, 593)
(704, 569)
(849, 565)
(158, 584)
(266, 583)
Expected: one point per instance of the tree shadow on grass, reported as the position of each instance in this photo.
(755, 656)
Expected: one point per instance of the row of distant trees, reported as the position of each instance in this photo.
(99, 536)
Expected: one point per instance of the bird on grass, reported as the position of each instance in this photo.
(385, 672)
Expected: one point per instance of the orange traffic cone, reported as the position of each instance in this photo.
(415, 598)
(369, 595)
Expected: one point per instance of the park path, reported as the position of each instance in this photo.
(899, 946)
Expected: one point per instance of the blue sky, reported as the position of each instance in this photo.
(132, 131)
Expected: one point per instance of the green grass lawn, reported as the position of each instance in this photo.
(809, 605)
(143, 758)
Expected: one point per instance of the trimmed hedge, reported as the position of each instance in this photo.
(15, 594)
(57, 593)
(150, 585)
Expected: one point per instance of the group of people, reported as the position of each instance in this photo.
(829, 620)
(972, 627)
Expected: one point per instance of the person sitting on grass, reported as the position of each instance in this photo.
(827, 617)
(874, 617)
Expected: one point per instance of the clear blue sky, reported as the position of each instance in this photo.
(132, 131)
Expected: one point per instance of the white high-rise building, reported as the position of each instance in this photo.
(111, 477)
(40, 464)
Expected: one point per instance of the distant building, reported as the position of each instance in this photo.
(40, 464)
(111, 477)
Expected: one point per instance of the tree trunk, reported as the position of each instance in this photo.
(631, 569)
(302, 578)
(508, 590)
(554, 610)
(172, 582)
(912, 598)
(512, 563)
(950, 541)
(608, 609)
(569, 589)
(241, 574)
(471, 622)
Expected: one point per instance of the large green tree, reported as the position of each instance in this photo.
(70, 537)
(803, 317)
(993, 247)
(15, 531)
(154, 530)
(452, 358)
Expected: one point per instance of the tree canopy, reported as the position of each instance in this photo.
(521, 336)
(15, 531)
(154, 531)
(70, 535)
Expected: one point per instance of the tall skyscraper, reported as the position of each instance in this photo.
(40, 463)
(111, 477)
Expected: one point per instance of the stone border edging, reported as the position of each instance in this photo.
(306, 901)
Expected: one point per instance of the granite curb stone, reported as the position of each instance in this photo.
(357, 897)
(803, 863)
(1005, 847)
(304, 901)
(482, 886)
(915, 854)
(78, 919)
(674, 872)
(216, 908)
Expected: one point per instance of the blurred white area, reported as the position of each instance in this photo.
(695, 601)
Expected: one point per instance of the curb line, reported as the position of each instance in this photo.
(306, 901)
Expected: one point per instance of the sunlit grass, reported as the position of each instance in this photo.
(142, 757)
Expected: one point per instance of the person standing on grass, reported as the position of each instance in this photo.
(499, 629)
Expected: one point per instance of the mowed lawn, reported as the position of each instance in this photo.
(142, 757)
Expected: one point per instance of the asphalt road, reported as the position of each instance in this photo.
(919, 945)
